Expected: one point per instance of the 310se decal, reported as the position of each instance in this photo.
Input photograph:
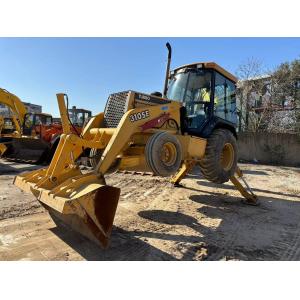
(139, 116)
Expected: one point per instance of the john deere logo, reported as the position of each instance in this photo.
(144, 97)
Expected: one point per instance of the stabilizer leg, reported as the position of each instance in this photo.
(185, 168)
(247, 193)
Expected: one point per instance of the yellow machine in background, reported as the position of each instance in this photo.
(140, 132)
(33, 137)
(18, 111)
(1, 123)
(9, 126)
(16, 107)
(2, 146)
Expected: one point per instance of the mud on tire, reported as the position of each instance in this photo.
(220, 159)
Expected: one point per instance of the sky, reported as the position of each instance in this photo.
(89, 69)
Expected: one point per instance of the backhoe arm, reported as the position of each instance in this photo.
(16, 106)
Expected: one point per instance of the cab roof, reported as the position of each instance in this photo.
(209, 65)
(44, 114)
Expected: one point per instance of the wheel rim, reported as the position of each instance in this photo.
(227, 157)
(168, 154)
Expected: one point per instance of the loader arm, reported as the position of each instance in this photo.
(122, 135)
(84, 201)
(113, 140)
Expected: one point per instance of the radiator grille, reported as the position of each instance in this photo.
(115, 108)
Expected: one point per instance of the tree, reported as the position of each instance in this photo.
(252, 86)
(285, 92)
(269, 101)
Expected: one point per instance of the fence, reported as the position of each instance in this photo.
(270, 148)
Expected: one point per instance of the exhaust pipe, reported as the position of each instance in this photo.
(168, 69)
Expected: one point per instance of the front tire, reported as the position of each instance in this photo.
(163, 153)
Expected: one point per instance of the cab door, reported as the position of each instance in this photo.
(225, 99)
(198, 100)
(28, 125)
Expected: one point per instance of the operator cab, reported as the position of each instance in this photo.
(34, 120)
(8, 126)
(79, 117)
(208, 95)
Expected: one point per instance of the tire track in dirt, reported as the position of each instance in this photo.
(156, 221)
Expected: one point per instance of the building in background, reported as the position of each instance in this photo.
(260, 109)
(31, 108)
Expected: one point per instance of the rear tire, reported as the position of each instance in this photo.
(94, 158)
(95, 155)
(163, 154)
(220, 159)
(51, 151)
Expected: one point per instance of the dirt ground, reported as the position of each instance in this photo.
(155, 221)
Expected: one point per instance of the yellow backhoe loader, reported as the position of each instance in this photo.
(192, 122)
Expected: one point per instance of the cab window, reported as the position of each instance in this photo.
(38, 120)
(28, 121)
(48, 120)
(44, 120)
(225, 99)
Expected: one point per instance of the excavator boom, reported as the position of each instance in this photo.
(16, 106)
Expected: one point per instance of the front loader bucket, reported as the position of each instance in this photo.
(27, 149)
(94, 216)
(82, 202)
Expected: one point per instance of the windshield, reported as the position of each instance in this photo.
(28, 123)
(77, 118)
(8, 123)
(194, 85)
(43, 120)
